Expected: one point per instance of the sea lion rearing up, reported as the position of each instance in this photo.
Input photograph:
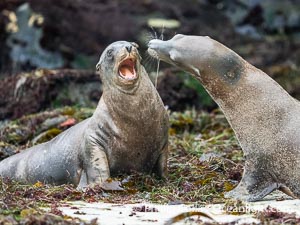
(127, 132)
(264, 117)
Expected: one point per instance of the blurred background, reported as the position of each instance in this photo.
(49, 48)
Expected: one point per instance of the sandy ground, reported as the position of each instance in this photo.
(120, 214)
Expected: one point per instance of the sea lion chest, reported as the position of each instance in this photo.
(138, 133)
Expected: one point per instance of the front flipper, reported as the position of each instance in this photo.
(160, 167)
(96, 168)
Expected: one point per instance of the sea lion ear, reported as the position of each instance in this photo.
(98, 66)
(134, 44)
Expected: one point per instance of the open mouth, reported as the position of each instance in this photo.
(127, 69)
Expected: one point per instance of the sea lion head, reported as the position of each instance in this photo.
(119, 66)
(198, 55)
(181, 52)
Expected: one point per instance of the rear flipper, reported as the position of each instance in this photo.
(257, 193)
(256, 183)
(261, 191)
(252, 193)
(287, 191)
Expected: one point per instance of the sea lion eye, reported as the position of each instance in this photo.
(109, 53)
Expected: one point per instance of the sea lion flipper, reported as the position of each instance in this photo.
(287, 191)
(83, 181)
(97, 170)
(256, 183)
(253, 195)
(259, 193)
(160, 167)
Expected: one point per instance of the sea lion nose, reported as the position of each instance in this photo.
(150, 44)
(129, 47)
(155, 43)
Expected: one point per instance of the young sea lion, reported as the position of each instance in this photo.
(127, 132)
(264, 117)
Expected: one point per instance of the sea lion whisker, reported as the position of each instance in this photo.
(149, 61)
(155, 34)
(149, 37)
(152, 59)
(162, 32)
(156, 77)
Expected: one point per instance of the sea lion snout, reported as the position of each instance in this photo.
(172, 52)
(154, 44)
(162, 50)
(159, 49)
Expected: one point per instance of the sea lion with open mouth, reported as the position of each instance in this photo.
(264, 117)
(127, 132)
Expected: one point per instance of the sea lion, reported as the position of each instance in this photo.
(264, 117)
(127, 132)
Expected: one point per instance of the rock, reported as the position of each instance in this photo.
(53, 122)
(27, 93)
(46, 136)
(6, 150)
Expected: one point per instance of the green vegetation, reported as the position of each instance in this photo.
(192, 177)
(205, 161)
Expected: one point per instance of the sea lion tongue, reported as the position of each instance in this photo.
(127, 69)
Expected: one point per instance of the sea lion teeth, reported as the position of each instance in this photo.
(264, 117)
(109, 142)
